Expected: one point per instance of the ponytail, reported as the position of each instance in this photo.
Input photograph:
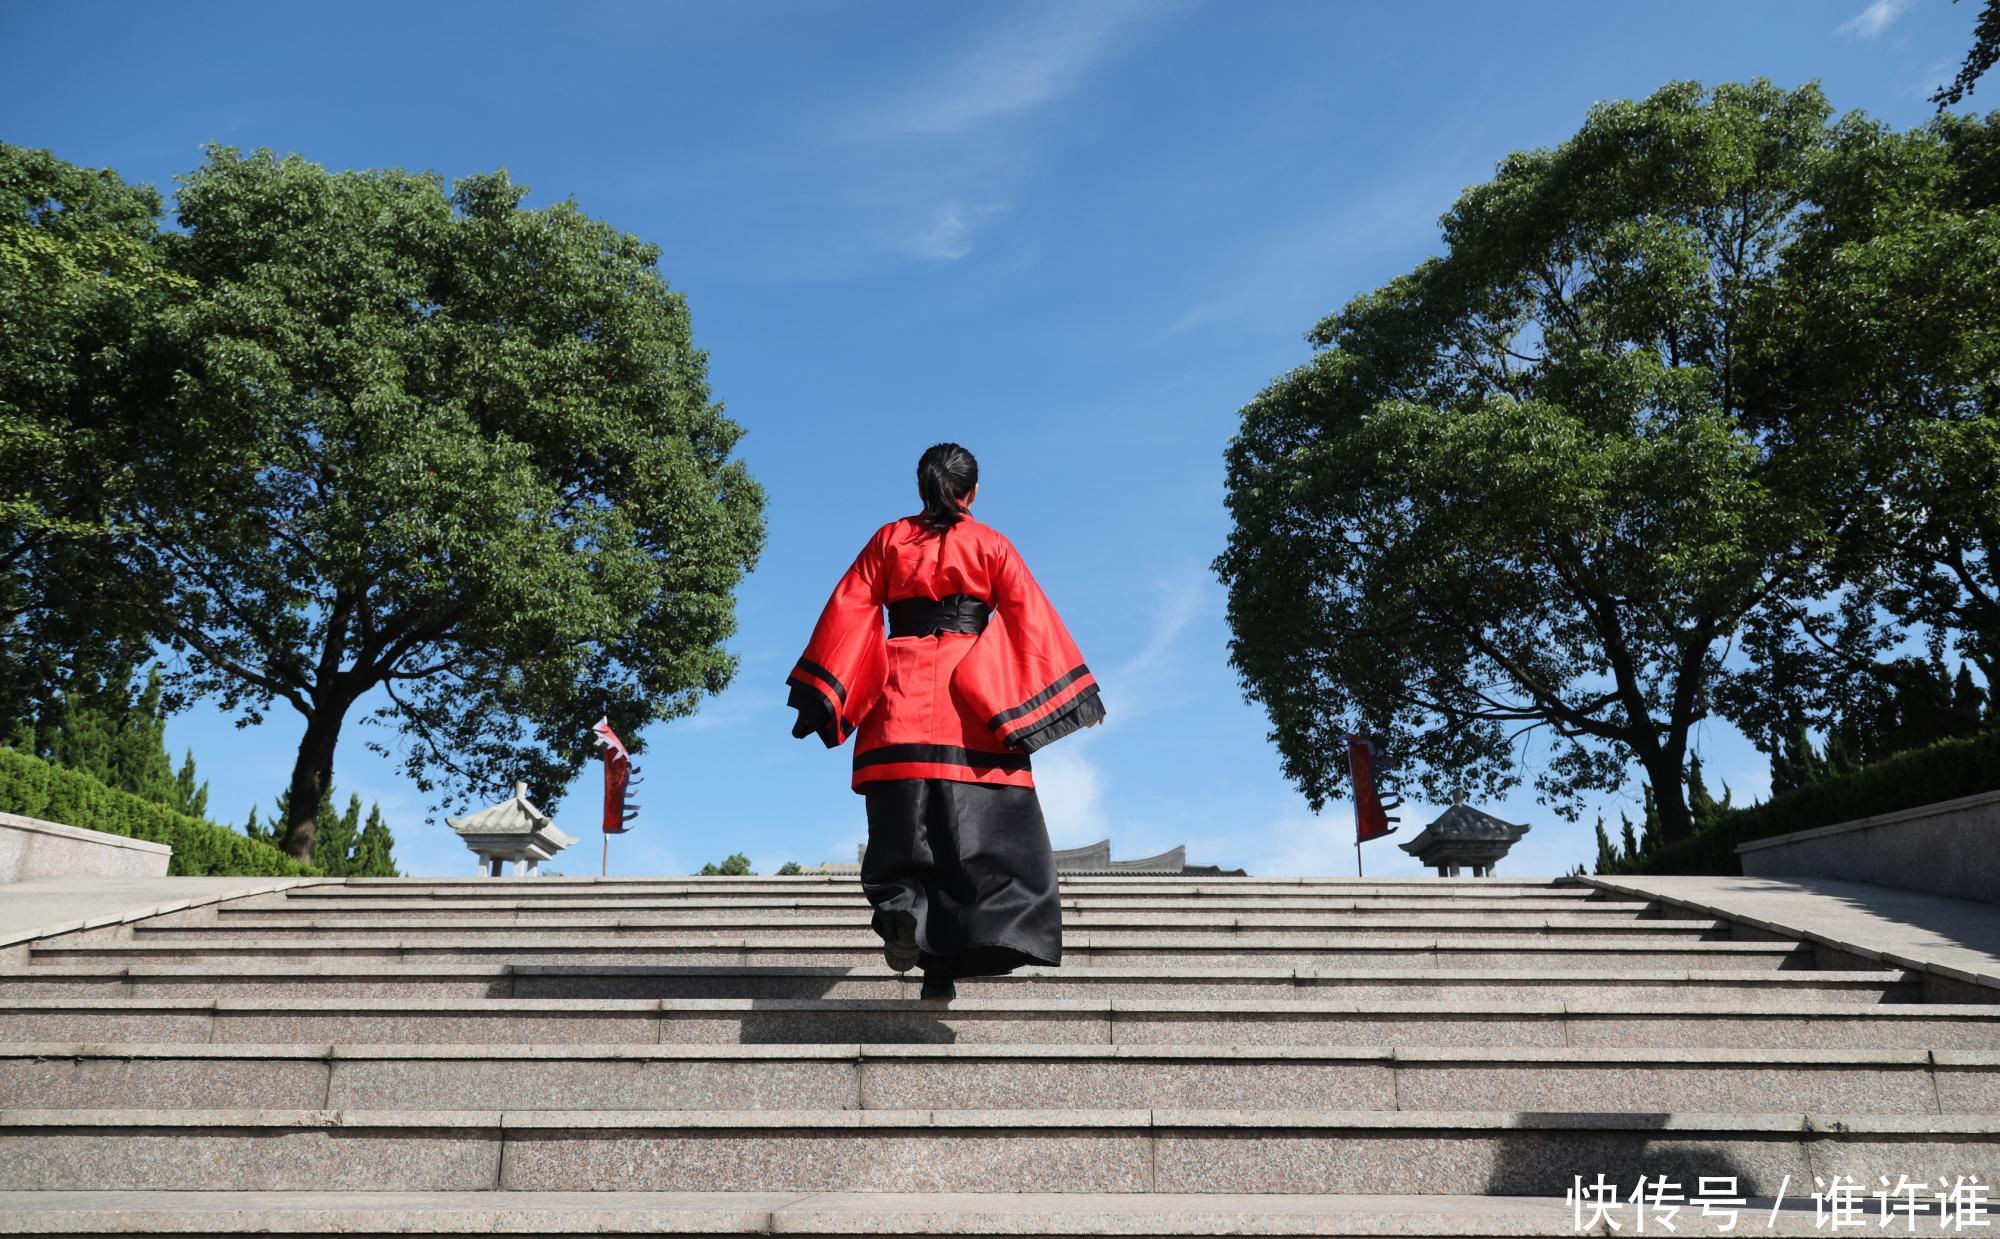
(946, 474)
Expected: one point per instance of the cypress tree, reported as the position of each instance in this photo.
(189, 797)
(1607, 856)
(1969, 705)
(1649, 830)
(374, 848)
(1701, 805)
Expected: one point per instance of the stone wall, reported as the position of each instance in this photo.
(1948, 848)
(32, 848)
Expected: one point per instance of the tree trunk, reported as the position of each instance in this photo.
(312, 777)
(1669, 783)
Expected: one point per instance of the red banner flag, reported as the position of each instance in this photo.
(1371, 816)
(618, 807)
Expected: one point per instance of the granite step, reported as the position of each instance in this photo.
(61, 1075)
(1553, 926)
(1455, 1152)
(276, 908)
(1470, 1021)
(1491, 888)
(860, 949)
(334, 978)
(887, 1214)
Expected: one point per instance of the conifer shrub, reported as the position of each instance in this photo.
(35, 788)
(1943, 771)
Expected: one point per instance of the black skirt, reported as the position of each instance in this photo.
(970, 863)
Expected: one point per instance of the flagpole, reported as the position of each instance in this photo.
(605, 871)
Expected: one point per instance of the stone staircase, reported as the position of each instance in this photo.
(730, 1055)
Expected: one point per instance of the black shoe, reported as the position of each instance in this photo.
(900, 952)
(938, 985)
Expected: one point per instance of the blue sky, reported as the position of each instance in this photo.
(1074, 237)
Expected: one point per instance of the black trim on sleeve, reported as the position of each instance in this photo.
(806, 664)
(1063, 681)
(1075, 715)
(817, 715)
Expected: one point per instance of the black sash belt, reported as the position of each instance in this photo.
(920, 617)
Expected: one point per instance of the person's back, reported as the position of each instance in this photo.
(975, 673)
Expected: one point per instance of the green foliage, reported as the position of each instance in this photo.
(1795, 763)
(395, 435)
(1516, 491)
(190, 797)
(1983, 55)
(1944, 771)
(1880, 366)
(1704, 808)
(1716, 374)
(343, 846)
(737, 865)
(97, 725)
(81, 278)
(35, 788)
(1607, 855)
(790, 868)
(99, 728)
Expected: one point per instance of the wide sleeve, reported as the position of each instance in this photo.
(1024, 675)
(839, 678)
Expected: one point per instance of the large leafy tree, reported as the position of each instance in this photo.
(82, 277)
(1882, 366)
(1983, 55)
(1517, 491)
(428, 443)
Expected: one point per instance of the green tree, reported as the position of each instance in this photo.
(1607, 855)
(429, 444)
(100, 726)
(736, 865)
(346, 846)
(190, 796)
(333, 847)
(374, 848)
(1969, 707)
(1795, 763)
(1515, 495)
(1880, 365)
(1702, 805)
(82, 278)
(1985, 52)
(790, 868)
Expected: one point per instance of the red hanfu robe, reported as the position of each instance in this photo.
(964, 706)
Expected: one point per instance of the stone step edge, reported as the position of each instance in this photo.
(582, 881)
(1109, 972)
(507, 1007)
(1566, 1056)
(349, 904)
(1985, 980)
(1622, 923)
(804, 1213)
(17, 937)
(1083, 941)
(1791, 1123)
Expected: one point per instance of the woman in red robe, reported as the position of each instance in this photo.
(975, 673)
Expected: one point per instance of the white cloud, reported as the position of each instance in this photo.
(1017, 69)
(1140, 679)
(949, 236)
(1873, 20)
(1071, 794)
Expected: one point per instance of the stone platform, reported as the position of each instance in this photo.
(1217, 1056)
